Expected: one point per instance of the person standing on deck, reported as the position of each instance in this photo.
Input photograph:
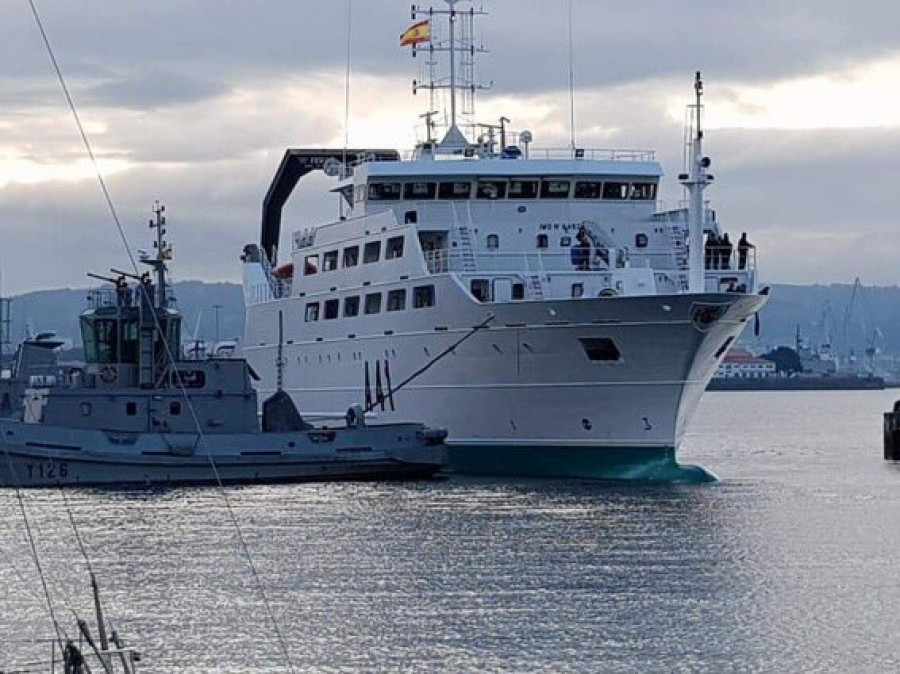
(726, 250)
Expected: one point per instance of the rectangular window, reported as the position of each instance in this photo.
(351, 256)
(396, 300)
(643, 191)
(312, 312)
(332, 308)
(175, 408)
(372, 252)
(600, 349)
(617, 191)
(373, 303)
(394, 248)
(481, 289)
(351, 307)
(522, 189)
(131, 409)
(311, 265)
(518, 291)
(588, 189)
(419, 191)
(423, 297)
(385, 191)
(330, 261)
(491, 189)
(555, 189)
(458, 190)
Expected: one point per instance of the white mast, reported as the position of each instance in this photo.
(460, 49)
(696, 181)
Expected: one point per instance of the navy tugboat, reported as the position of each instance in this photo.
(138, 412)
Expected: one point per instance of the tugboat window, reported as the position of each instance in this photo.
(555, 189)
(615, 191)
(372, 252)
(588, 190)
(131, 409)
(312, 312)
(373, 303)
(351, 307)
(396, 300)
(394, 248)
(543, 241)
(332, 309)
(86, 409)
(491, 189)
(101, 340)
(385, 191)
(330, 261)
(460, 190)
(419, 191)
(423, 297)
(600, 349)
(577, 290)
(174, 408)
(493, 242)
(351, 256)
(311, 265)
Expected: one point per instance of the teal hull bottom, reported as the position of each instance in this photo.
(587, 463)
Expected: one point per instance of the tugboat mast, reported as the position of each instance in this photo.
(163, 253)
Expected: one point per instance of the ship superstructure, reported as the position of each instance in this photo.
(610, 313)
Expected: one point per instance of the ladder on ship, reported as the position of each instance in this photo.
(464, 239)
(680, 255)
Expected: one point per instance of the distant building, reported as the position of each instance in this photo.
(741, 364)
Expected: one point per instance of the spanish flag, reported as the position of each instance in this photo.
(416, 34)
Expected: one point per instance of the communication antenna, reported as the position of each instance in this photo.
(572, 72)
(460, 50)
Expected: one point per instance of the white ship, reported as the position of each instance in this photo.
(608, 323)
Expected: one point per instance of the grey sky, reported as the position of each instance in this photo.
(194, 102)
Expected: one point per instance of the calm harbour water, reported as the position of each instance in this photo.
(789, 563)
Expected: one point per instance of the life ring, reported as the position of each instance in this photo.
(108, 374)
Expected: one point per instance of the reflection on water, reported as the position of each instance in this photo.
(788, 564)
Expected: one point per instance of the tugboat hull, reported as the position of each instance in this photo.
(35, 455)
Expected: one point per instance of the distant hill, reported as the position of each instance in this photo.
(819, 310)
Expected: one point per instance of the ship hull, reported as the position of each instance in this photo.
(523, 397)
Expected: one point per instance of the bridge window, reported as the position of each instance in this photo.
(555, 189)
(643, 191)
(458, 190)
(543, 241)
(396, 300)
(601, 349)
(312, 312)
(351, 307)
(394, 248)
(491, 189)
(385, 191)
(351, 256)
(518, 291)
(493, 242)
(616, 191)
(372, 252)
(332, 308)
(523, 189)
(311, 265)
(330, 261)
(373, 303)
(419, 191)
(423, 297)
(588, 189)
